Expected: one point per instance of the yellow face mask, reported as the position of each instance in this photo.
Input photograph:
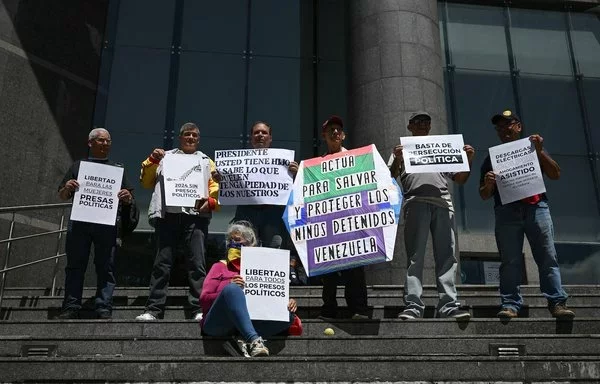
(233, 254)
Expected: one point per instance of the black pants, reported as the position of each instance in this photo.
(80, 237)
(355, 291)
(178, 229)
(267, 222)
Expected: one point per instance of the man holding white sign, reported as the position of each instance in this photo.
(266, 218)
(96, 190)
(181, 224)
(528, 216)
(428, 207)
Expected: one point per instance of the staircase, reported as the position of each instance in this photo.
(532, 348)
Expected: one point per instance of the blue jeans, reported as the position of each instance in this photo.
(419, 219)
(80, 237)
(229, 316)
(513, 222)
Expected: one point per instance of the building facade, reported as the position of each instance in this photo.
(143, 68)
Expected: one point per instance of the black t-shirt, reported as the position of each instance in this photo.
(73, 172)
(485, 168)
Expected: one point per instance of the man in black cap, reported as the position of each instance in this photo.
(527, 217)
(355, 286)
(428, 207)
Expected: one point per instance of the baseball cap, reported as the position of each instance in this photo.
(422, 114)
(333, 119)
(505, 115)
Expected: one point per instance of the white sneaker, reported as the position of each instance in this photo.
(146, 317)
(258, 348)
(198, 316)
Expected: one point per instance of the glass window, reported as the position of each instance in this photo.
(539, 40)
(579, 262)
(138, 90)
(280, 91)
(145, 23)
(549, 99)
(103, 87)
(478, 96)
(136, 111)
(211, 94)
(575, 218)
(591, 89)
(215, 26)
(331, 84)
(551, 108)
(131, 148)
(332, 30)
(586, 41)
(281, 28)
(477, 38)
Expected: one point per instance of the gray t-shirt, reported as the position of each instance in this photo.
(424, 187)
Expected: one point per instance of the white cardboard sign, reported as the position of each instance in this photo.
(517, 169)
(254, 176)
(436, 153)
(185, 179)
(96, 200)
(266, 273)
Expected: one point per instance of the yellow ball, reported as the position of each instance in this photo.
(328, 332)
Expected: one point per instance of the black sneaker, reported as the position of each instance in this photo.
(458, 314)
(408, 314)
(104, 315)
(68, 314)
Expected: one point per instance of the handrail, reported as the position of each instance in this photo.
(33, 263)
(32, 236)
(33, 207)
(13, 210)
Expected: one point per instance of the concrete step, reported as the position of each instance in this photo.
(306, 300)
(309, 312)
(314, 344)
(305, 369)
(312, 328)
(310, 290)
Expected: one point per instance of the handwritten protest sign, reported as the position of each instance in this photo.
(185, 179)
(436, 153)
(265, 271)
(343, 211)
(517, 170)
(96, 200)
(254, 176)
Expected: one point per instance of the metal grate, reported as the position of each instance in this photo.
(38, 350)
(504, 350)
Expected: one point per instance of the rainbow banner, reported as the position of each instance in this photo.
(343, 211)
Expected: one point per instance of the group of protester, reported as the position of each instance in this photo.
(218, 300)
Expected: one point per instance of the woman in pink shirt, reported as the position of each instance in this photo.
(224, 302)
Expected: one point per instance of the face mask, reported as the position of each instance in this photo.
(234, 244)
